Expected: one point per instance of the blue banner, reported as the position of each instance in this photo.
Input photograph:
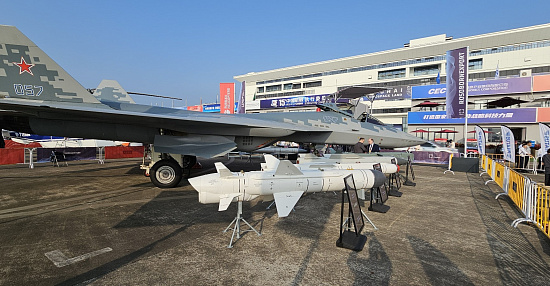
(508, 144)
(240, 108)
(214, 107)
(482, 87)
(457, 82)
(297, 101)
(501, 115)
(394, 93)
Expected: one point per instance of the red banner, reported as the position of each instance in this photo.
(227, 98)
(117, 152)
(11, 156)
(541, 82)
(194, 108)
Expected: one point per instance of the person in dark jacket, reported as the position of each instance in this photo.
(372, 146)
(359, 147)
(546, 163)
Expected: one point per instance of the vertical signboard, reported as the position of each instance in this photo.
(227, 98)
(480, 140)
(544, 137)
(508, 144)
(457, 82)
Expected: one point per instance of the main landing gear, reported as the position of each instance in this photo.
(166, 170)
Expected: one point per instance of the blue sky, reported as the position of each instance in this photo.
(186, 48)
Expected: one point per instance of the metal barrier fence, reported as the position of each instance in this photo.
(531, 198)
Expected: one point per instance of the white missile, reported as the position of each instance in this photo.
(387, 168)
(348, 158)
(285, 183)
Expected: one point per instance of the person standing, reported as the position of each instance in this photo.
(359, 147)
(373, 147)
(522, 155)
(527, 148)
(546, 163)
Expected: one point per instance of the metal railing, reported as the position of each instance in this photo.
(530, 197)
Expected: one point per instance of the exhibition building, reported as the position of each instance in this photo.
(509, 83)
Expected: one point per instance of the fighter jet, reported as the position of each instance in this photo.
(42, 98)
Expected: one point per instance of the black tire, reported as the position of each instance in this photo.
(166, 173)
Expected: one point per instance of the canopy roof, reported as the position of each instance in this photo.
(505, 102)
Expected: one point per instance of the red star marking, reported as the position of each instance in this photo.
(24, 67)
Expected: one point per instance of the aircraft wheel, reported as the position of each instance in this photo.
(166, 173)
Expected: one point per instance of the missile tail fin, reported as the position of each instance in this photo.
(286, 201)
(223, 170)
(287, 168)
(225, 201)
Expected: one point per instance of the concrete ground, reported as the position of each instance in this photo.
(107, 225)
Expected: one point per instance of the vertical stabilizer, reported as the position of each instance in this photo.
(27, 72)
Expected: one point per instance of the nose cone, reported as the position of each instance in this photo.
(206, 183)
(196, 182)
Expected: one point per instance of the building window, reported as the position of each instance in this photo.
(426, 70)
(260, 89)
(273, 88)
(296, 86)
(287, 86)
(312, 84)
(476, 64)
(480, 104)
(391, 74)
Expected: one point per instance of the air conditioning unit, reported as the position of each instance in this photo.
(524, 73)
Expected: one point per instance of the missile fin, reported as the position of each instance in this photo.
(271, 162)
(223, 170)
(225, 201)
(287, 168)
(285, 202)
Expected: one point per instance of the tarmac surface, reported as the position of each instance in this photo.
(108, 225)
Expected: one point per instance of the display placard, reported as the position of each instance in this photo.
(354, 207)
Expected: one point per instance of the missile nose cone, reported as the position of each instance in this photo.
(379, 178)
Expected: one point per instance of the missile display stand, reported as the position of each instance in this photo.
(348, 227)
(237, 227)
(406, 180)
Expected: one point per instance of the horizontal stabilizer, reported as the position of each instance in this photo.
(287, 168)
(225, 201)
(222, 170)
(286, 201)
(206, 146)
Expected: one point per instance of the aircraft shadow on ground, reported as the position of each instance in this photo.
(376, 269)
(162, 211)
(177, 208)
(437, 267)
(517, 260)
